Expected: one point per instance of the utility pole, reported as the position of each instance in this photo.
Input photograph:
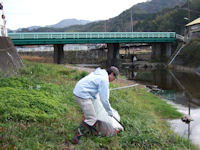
(105, 26)
(188, 5)
(131, 20)
(4, 20)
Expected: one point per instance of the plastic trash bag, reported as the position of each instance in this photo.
(106, 125)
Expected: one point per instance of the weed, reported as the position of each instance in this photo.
(38, 111)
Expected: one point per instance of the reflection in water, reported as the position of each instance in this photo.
(191, 130)
(167, 94)
(171, 85)
(181, 89)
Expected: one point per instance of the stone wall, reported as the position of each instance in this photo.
(74, 57)
(87, 57)
(195, 35)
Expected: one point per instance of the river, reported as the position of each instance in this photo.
(181, 89)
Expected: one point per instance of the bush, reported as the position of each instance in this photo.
(191, 53)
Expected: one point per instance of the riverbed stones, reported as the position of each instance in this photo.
(186, 118)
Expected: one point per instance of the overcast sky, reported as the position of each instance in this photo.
(25, 13)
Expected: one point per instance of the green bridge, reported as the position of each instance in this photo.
(42, 38)
(161, 42)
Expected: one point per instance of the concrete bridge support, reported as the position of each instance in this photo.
(161, 51)
(58, 53)
(113, 58)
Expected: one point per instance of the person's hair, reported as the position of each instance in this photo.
(109, 71)
(114, 70)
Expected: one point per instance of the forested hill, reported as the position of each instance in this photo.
(154, 6)
(154, 15)
(170, 19)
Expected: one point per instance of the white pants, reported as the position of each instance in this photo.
(88, 110)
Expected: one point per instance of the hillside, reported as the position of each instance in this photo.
(160, 19)
(140, 12)
(63, 23)
(170, 19)
(68, 22)
(154, 6)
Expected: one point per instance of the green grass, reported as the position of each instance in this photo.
(38, 111)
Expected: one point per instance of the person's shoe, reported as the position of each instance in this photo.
(93, 130)
(76, 138)
(83, 129)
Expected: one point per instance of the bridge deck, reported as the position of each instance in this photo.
(42, 38)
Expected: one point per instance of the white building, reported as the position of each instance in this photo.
(193, 29)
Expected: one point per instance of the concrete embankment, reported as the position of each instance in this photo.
(10, 61)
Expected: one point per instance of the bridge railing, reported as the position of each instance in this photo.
(91, 35)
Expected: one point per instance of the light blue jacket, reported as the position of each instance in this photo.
(95, 82)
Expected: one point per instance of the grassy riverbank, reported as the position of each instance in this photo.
(38, 111)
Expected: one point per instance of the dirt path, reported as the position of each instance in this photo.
(79, 68)
(119, 81)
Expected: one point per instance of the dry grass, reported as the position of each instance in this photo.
(120, 81)
(37, 59)
(123, 51)
(135, 51)
(143, 51)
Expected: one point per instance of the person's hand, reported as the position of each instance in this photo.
(111, 115)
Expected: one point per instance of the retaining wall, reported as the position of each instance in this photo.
(10, 61)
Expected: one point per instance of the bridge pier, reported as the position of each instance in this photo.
(113, 58)
(161, 51)
(58, 53)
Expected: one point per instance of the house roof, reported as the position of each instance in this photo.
(196, 21)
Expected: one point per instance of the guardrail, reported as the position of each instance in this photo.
(91, 35)
(46, 38)
(180, 37)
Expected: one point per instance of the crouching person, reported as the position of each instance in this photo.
(85, 92)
